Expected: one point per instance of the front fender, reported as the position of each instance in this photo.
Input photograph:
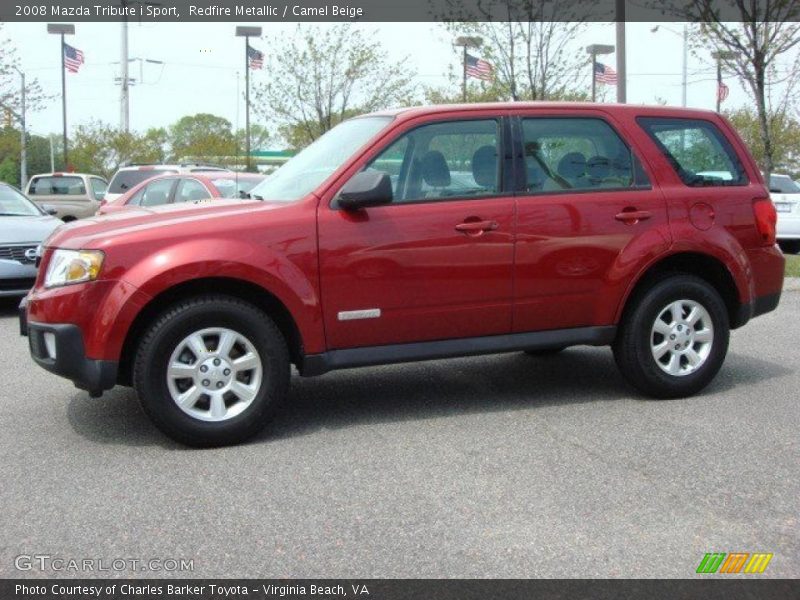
(288, 277)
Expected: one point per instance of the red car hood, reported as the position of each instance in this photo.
(91, 232)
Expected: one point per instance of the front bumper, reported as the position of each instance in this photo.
(15, 278)
(59, 348)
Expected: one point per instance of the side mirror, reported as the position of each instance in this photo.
(49, 210)
(367, 188)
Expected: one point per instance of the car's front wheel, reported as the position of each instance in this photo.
(210, 371)
(673, 338)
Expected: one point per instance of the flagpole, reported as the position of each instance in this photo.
(64, 102)
(61, 29)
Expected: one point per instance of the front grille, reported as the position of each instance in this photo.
(17, 253)
(19, 284)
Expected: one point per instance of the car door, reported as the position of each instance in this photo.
(435, 263)
(586, 208)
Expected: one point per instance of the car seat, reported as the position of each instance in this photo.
(484, 167)
(435, 172)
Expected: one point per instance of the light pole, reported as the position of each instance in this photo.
(594, 50)
(622, 65)
(719, 56)
(467, 41)
(247, 33)
(23, 137)
(685, 67)
(63, 29)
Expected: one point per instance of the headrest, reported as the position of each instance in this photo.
(435, 171)
(572, 165)
(484, 167)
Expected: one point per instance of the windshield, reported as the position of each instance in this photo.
(14, 204)
(313, 165)
(125, 180)
(783, 184)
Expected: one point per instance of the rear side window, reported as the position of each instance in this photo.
(157, 193)
(125, 180)
(565, 154)
(58, 186)
(697, 150)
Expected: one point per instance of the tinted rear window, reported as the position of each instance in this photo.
(697, 150)
(57, 186)
(125, 180)
(783, 184)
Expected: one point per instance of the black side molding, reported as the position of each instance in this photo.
(318, 364)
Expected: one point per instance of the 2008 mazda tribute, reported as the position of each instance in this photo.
(418, 234)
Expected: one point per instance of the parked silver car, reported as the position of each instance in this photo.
(23, 227)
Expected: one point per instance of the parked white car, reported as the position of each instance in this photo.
(785, 194)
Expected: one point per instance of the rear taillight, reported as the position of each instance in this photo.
(766, 220)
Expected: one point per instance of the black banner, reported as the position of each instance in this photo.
(399, 589)
(265, 11)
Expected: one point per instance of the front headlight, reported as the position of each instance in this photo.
(73, 266)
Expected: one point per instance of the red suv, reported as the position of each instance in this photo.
(421, 234)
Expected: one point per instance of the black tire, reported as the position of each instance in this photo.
(632, 347)
(166, 333)
(789, 246)
(545, 352)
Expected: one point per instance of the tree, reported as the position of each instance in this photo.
(785, 137)
(10, 97)
(102, 149)
(322, 76)
(765, 31)
(532, 52)
(202, 136)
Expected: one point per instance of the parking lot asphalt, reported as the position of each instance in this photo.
(496, 466)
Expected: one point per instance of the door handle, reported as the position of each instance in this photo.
(476, 227)
(631, 216)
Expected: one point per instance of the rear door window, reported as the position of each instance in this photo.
(125, 180)
(190, 190)
(58, 186)
(697, 150)
(566, 154)
(157, 193)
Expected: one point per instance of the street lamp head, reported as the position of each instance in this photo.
(724, 55)
(61, 28)
(469, 41)
(600, 49)
(245, 31)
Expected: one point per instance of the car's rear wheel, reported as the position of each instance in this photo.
(210, 371)
(673, 338)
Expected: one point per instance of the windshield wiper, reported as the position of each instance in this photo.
(257, 197)
(16, 215)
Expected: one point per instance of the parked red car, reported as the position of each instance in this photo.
(420, 234)
(184, 187)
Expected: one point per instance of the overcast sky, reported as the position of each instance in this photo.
(202, 62)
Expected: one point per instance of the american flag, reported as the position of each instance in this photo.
(604, 74)
(255, 58)
(73, 58)
(722, 92)
(479, 68)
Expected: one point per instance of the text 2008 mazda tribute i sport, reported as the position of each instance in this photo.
(420, 234)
